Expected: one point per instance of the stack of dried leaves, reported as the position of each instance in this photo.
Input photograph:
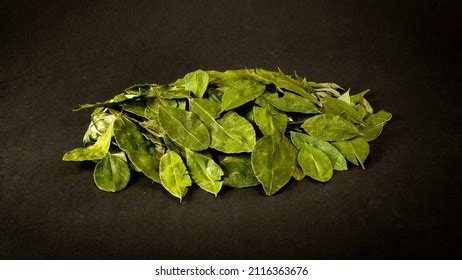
(238, 128)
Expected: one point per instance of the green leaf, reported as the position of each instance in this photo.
(355, 98)
(154, 103)
(137, 107)
(237, 92)
(272, 163)
(153, 138)
(181, 104)
(269, 120)
(355, 151)
(100, 121)
(184, 128)
(298, 173)
(111, 173)
(373, 125)
(173, 174)
(217, 77)
(159, 151)
(139, 89)
(204, 107)
(324, 85)
(325, 88)
(266, 77)
(320, 89)
(230, 134)
(171, 146)
(196, 82)
(330, 128)
(360, 100)
(204, 171)
(238, 171)
(94, 152)
(338, 107)
(345, 97)
(214, 94)
(169, 92)
(139, 150)
(283, 81)
(323, 92)
(338, 161)
(362, 112)
(133, 93)
(153, 126)
(292, 103)
(379, 118)
(152, 114)
(233, 134)
(366, 105)
(315, 163)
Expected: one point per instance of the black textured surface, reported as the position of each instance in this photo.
(57, 55)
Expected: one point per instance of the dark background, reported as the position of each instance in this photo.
(406, 204)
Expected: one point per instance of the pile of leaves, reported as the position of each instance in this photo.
(238, 128)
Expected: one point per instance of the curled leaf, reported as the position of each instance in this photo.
(100, 121)
(94, 152)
